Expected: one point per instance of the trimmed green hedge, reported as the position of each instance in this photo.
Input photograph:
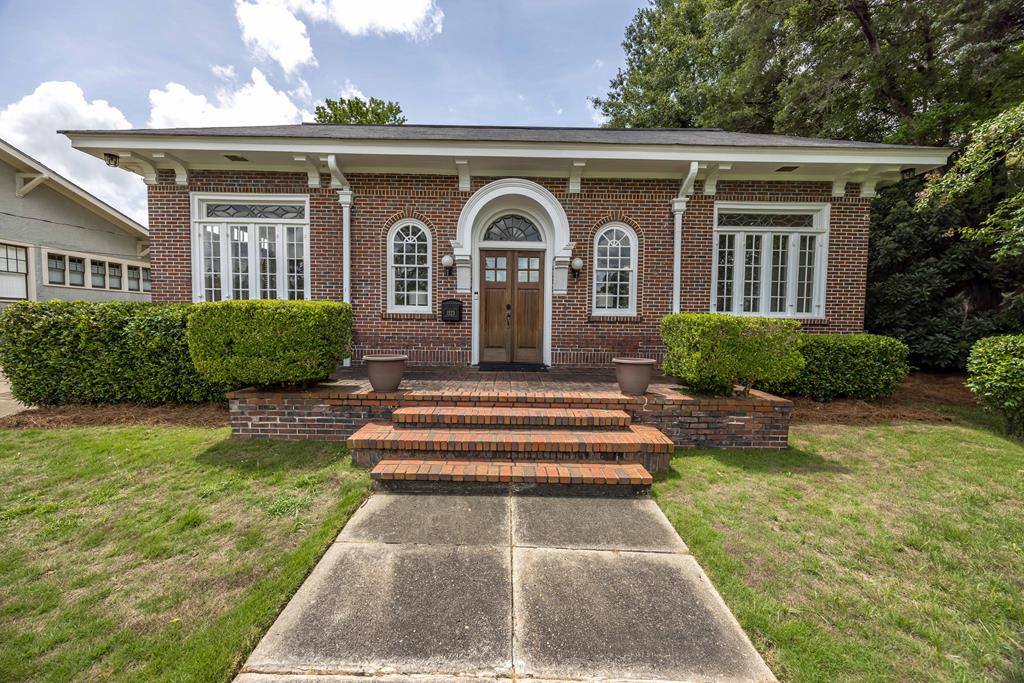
(713, 352)
(861, 366)
(996, 376)
(64, 352)
(267, 343)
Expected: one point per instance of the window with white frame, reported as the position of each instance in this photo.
(615, 270)
(66, 270)
(249, 247)
(770, 260)
(409, 268)
(13, 272)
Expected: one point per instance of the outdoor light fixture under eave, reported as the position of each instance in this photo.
(577, 266)
(448, 262)
(112, 160)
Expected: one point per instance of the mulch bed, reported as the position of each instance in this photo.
(209, 415)
(904, 406)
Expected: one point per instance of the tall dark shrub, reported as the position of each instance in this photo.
(63, 352)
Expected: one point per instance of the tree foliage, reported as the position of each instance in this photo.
(355, 110)
(899, 71)
(994, 159)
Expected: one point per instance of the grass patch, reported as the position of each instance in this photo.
(867, 553)
(156, 553)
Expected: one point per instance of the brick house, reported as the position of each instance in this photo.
(558, 246)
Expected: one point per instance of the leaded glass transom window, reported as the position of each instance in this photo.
(512, 228)
(409, 269)
(770, 262)
(615, 265)
(280, 211)
(766, 220)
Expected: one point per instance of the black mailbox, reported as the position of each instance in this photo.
(451, 311)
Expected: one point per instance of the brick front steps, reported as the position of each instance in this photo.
(512, 417)
(598, 478)
(339, 409)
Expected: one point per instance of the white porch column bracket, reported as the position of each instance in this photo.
(711, 180)
(338, 179)
(26, 182)
(146, 166)
(576, 176)
(180, 171)
(686, 186)
(465, 181)
(312, 169)
(839, 182)
(875, 176)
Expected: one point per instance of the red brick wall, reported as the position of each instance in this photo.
(380, 200)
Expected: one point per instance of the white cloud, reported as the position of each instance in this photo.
(224, 73)
(30, 124)
(273, 29)
(598, 64)
(596, 116)
(352, 90)
(254, 103)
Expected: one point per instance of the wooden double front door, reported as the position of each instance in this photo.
(511, 306)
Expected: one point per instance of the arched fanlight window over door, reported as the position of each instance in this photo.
(512, 228)
(615, 270)
(409, 268)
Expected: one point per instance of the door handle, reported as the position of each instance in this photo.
(508, 315)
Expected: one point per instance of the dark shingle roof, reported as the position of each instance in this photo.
(714, 137)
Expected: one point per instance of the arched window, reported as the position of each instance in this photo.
(409, 268)
(512, 228)
(615, 270)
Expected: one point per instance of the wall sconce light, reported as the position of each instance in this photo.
(112, 160)
(447, 261)
(577, 266)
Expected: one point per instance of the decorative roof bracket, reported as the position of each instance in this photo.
(576, 176)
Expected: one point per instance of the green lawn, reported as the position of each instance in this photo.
(882, 553)
(889, 552)
(156, 553)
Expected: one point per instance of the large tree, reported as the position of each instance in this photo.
(356, 110)
(902, 71)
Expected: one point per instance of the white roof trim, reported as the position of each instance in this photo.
(17, 158)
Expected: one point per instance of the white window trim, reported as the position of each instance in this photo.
(390, 293)
(821, 213)
(199, 199)
(634, 270)
(30, 280)
(88, 259)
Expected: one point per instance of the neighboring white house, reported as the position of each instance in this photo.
(57, 241)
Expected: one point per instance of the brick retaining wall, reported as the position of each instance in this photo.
(332, 413)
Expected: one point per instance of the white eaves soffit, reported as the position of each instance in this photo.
(560, 160)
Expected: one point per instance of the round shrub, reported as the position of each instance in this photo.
(268, 343)
(996, 376)
(65, 352)
(713, 352)
(861, 366)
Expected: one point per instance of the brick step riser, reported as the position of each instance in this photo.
(371, 456)
(521, 488)
(505, 425)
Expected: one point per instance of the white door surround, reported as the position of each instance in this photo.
(526, 198)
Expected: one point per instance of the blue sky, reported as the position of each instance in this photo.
(117, 64)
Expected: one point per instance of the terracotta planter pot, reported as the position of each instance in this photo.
(385, 372)
(633, 374)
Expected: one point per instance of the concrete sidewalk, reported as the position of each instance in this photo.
(447, 587)
(8, 406)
